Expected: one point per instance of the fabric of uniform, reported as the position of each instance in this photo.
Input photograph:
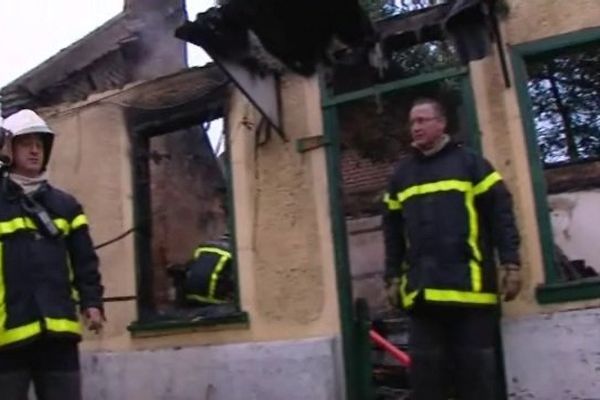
(209, 275)
(52, 363)
(448, 214)
(453, 347)
(42, 279)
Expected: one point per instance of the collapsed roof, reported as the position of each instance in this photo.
(271, 35)
(291, 34)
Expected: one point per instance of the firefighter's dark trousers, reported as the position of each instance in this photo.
(51, 364)
(453, 347)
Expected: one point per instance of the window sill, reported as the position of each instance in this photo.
(139, 329)
(562, 292)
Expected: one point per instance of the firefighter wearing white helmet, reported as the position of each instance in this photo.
(26, 125)
(48, 267)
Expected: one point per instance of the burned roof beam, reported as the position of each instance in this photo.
(255, 33)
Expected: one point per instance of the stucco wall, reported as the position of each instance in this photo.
(537, 19)
(285, 252)
(502, 130)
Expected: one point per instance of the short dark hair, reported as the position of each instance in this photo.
(438, 105)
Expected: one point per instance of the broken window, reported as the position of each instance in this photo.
(564, 97)
(181, 201)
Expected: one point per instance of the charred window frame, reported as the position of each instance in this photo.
(144, 125)
(545, 175)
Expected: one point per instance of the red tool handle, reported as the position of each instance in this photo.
(395, 352)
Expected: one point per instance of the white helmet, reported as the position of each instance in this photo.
(25, 122)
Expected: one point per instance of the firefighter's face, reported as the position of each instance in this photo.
(28, 154)
(427, 125)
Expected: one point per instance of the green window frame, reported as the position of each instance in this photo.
(144, 125)
(552, 290)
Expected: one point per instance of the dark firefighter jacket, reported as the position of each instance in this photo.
(209, 275)
(446, 214)
(43, 278)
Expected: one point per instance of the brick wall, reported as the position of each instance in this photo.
(364, 182)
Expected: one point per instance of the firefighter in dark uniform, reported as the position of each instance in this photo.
(47, 267)
(207, 279)
(448, 213)
(209, 276)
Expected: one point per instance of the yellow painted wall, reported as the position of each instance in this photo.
(502, 129)
(285, 250)
(286, 266)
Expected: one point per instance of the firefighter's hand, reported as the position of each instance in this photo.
(511, 282)
(94, 319)
(392, 289)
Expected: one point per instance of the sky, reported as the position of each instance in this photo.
(31, 31)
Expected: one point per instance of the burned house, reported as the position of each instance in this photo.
(519, 80)
(310, 141)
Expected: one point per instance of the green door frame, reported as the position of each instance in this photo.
(355, 367)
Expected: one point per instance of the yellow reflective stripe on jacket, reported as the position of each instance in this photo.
(63, 325)
(434, 187)
(457, 296)
(16, 224)
(23, 223)
(392, 205)
(15, 335)
(473, 220)
(8, 336)
(476, 276)
(74, 291)
(79, 221)
(215, 250)
(214, 276)
(473, 239)
(63, 225)
(76, 223)
(487, 183)
(408, 298)
(204, 299)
